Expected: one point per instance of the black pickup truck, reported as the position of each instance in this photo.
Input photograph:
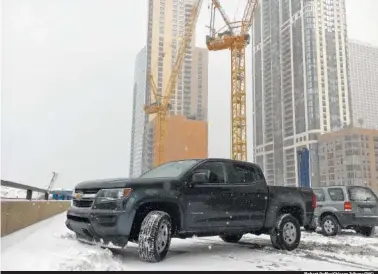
(185, 198)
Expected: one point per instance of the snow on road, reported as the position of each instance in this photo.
(49, 245)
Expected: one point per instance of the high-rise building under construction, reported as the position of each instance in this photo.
(166, 24)
(300, 85)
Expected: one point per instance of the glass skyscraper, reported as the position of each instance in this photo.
(300, 83)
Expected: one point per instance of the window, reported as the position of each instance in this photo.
(216, 172)
(336, 194)
(361, 194)
(242, 174)
(320, 196)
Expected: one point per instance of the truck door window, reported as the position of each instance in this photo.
(336, 194)
(216, 170)
(243, 174)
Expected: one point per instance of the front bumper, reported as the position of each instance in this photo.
(107, 226)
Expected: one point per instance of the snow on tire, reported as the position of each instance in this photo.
(286, 234)
(155, 237)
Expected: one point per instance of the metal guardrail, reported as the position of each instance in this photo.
(29, 189)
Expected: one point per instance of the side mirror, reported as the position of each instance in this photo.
(201, 177)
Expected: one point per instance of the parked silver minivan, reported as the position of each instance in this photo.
(345, 207)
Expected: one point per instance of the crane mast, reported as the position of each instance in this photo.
(235, 38)
(161, 105)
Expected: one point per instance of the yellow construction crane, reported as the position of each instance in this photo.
(161, 105)
(234, 36)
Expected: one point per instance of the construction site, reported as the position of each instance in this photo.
(75, 85)
(175, 122)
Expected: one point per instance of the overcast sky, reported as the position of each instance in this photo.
(67, 82)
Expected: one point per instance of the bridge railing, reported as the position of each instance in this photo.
(23, 211)
(29, 189)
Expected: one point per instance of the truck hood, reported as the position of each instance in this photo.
(122, 182)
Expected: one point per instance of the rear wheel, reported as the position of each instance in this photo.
(231, 238)
(367, 231)
(330, 226)
(286, 234)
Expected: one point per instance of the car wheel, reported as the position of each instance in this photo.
(330, 226)
(286, 234)
(231, 238)
(154, 237)
(367, 231)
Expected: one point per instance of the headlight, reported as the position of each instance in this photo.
(114, 193)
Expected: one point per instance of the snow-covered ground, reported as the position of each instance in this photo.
(49, 245)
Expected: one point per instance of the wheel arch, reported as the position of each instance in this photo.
(328, 213)
(296, 210)
(173, 209)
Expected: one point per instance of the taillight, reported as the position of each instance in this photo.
(313, 200)
(347, 206)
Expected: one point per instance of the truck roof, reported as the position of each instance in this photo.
(220, 159)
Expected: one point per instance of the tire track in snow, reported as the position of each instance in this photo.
(310, 253)
(308, 249)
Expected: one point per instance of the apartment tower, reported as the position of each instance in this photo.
(139, 117)
(349, 157)
(300, 83)
(166, 24)
(363, 63)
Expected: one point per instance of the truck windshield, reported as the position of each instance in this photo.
(170, 170)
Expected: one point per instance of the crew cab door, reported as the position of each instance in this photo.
(207, 203)
(249, 193)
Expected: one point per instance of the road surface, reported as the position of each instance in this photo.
(49, 245)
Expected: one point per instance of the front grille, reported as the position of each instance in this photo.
(83, 203)
(88, 191)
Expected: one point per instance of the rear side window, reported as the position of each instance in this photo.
(320, 196)
(361, 194)
(336, 194)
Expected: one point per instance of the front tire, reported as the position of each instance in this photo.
(231, 238)
(286, 234)
(330, 226)
(155, 237)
